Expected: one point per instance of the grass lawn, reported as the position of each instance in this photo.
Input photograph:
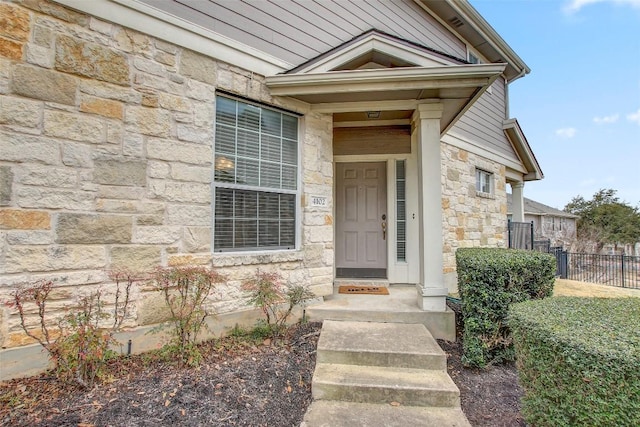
(572, 288)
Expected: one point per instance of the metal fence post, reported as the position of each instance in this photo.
(509, 232)
(622, 257)
(531, 235)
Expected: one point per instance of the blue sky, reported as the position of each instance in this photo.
(580, 105)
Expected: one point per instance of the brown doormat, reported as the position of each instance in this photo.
(370, 290)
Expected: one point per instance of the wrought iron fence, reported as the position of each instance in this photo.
(614, 270)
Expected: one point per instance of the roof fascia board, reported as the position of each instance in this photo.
(157, 23)
(488, 33)
(514, 133)
(360, 106)
(384, 79)
(374, 42)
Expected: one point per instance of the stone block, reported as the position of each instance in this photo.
(110, 91)
(150, 220)
(148, 66)
(164, 235)
(6, 184)
(14, 22)
(198, 67)
(20, 111)
(18, 219)
(57, 11)
(201, 91)
(160, 84)
(52, 198)
(93, 229)
(135, 258)
(175, 103)
(77, 155)
(51, 258)
(182, 172)
(194, 134)
(133, 41)
(188, 192)
(30, 237)
(47, 176)
(152, 309)
(39, 55)
(102, 107)
(162, 149)
(149, 121)
(165, 58)
(120, 192)
(133, 145)
(47, 85)
(91, 60)
(11, 49)
(197, 239)
(120, 172)
(182, 214)
(76, 127)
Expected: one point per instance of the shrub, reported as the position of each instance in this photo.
(185, 291)
(267, 292)
(489, 281)
(79, 347)
(578, 361)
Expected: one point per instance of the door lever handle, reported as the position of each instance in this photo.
(384, 230)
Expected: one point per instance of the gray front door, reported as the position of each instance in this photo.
(361, 220)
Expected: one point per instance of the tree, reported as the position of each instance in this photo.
(605, 219)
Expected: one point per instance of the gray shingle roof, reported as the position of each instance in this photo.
(532, 207)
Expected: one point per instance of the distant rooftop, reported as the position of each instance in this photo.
(532, 207)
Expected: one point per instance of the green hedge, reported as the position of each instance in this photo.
(579, 361)
(489, 281)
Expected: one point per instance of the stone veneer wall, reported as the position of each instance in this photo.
(106, 156)
(470, 220)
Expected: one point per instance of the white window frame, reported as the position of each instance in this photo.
(257, 188)
(484, 179)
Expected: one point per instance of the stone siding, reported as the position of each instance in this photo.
(470, 219)
(106, 140)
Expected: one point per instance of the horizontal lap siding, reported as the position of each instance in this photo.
(296, 31)
(483, 122)
(372, 140)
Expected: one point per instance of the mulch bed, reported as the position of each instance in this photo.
(235, 385)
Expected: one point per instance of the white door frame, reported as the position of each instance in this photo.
(397, 272)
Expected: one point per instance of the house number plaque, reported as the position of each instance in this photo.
(319, 201)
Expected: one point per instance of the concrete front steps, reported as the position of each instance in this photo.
(381, 374)
(398, 307)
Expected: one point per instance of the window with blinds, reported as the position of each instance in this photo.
(255, 177)
(401, 211)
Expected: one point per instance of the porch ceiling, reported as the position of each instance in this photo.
(456, 86)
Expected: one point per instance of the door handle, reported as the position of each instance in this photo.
(384, 230)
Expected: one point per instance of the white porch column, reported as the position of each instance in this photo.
(517, 201)
(431, 289)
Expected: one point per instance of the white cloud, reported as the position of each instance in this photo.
(634, 117)
(566, 132)
(574, 6)
(605, 120)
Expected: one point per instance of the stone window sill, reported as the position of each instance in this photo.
(485, 195)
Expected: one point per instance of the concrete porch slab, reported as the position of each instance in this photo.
(400, 306)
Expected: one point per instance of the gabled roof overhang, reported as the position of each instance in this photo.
(456, 86)
(514, 133)
(463, 19)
